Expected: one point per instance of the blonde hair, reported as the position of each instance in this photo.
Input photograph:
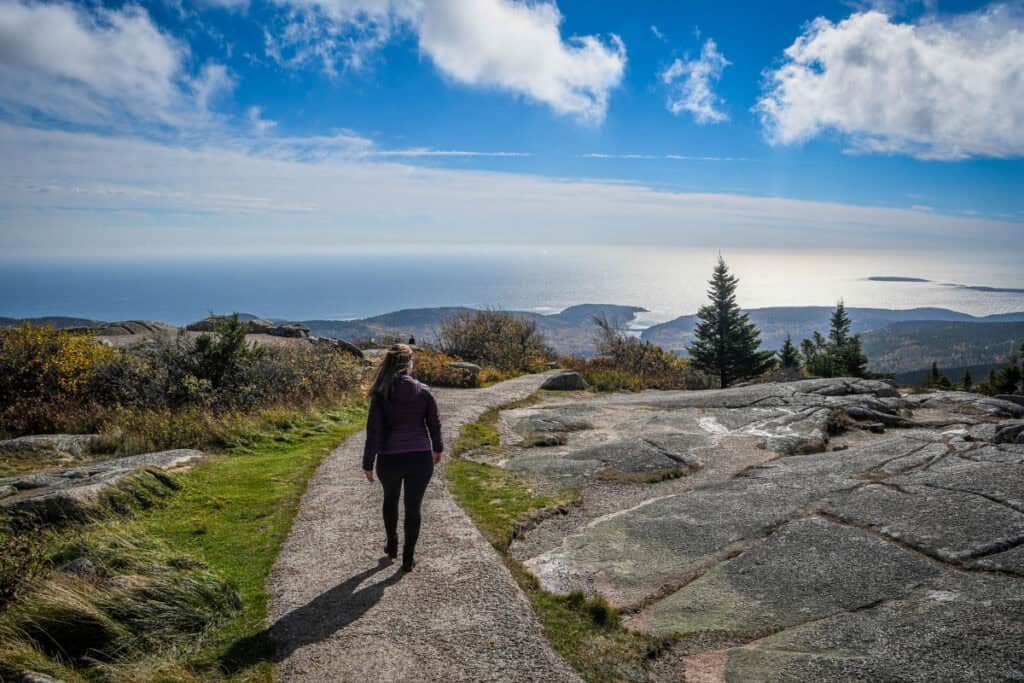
(397, 361)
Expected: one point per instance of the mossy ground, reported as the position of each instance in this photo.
(193, 566)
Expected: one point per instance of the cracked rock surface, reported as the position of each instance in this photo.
(52, 497)
(870, 556)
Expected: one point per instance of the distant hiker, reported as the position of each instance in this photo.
(403, 434)
(412, 341)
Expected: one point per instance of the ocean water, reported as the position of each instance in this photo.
(668, 282)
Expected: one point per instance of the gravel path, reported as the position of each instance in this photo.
(338, 613)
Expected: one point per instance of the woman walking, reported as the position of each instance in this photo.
(403, 435)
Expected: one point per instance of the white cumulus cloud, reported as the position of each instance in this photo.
(98, 66)
(506, 44)
(947, 88)
(691, 85)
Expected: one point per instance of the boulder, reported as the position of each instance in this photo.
(74, 444)
(1010, 432)
(472, 368)
(341, 345)
(565, 381)
(999, 407)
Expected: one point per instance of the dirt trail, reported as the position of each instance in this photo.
(337, 613)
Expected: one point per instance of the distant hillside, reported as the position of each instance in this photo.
(907, 346)
(59, 322)
(802, 321)
(570, 331)
(955, 375)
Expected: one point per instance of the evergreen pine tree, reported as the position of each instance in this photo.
(788, 357)
(839, 327)
(817, 356)
(726, 343)
(854, 362)
(968, 382)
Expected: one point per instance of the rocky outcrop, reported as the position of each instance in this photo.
(565, 381)
(56, 497)
(878, 555)
(255, 326)
(340, 345)
(1012, 398)
(133, 327)
(72, 444)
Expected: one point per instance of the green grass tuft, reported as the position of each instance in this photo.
(498, 501)
(476, 437)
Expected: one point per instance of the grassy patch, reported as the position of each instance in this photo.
(588, 633)
(476, 437)
(482, 436)
(234, 513)
(170, 585)
(498, 501)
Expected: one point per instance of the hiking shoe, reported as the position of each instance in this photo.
(391, 549)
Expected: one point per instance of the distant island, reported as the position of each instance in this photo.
(985, 288)
(955, 285)
(895, 278)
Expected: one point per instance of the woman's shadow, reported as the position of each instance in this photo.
(315, 621)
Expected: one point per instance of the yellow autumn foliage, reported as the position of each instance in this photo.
(41, 362)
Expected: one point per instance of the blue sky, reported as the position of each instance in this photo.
(312, 124)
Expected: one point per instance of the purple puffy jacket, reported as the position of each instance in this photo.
(408, 423)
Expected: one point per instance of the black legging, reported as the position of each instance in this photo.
(415, 469)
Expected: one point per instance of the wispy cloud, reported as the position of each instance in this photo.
(690, 85)
(86, 195)
(657, 33)
(256, 120)
(671, 157)
(426, 152)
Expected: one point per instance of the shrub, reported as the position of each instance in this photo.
(42, 364)
(506, 341)
(433, 368)
(629, 364)
(171, 393)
